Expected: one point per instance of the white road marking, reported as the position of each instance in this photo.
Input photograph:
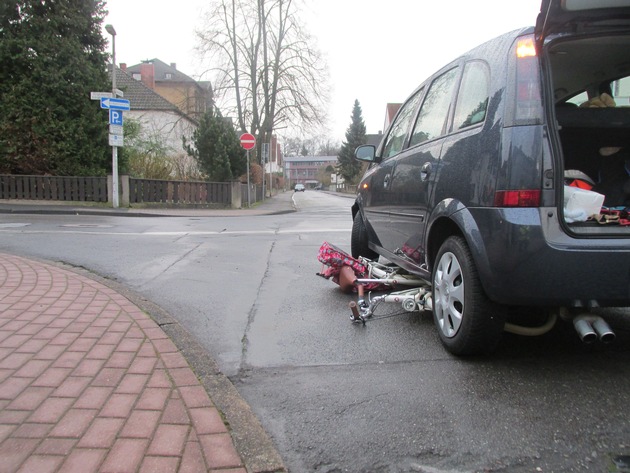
(179, 234)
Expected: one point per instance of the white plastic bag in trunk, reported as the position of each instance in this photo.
(580, 204)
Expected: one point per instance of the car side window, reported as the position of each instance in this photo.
(618, 89)
(472, 101)
(399, 129)
(432, 117)
(621, 91)
(578, 99)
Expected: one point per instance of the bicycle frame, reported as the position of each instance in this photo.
(418, 297)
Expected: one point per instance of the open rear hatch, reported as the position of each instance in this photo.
(572, 16)
(586, 43)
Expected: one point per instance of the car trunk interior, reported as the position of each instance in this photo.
(594, 130)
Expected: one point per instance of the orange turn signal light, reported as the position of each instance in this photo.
(526, 48)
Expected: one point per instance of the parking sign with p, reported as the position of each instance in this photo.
(115, 117)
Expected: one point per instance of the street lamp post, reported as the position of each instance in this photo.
(110, 29)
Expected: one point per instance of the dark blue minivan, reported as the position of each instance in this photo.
(504, 179)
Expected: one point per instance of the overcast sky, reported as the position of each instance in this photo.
(377, 51)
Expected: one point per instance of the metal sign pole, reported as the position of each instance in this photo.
(115, 177)
(263, 187)
(270, 166)
(112, 31)
(249, 201)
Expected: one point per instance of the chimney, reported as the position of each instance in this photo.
(147, 74)
(174, 65)
(123, 66)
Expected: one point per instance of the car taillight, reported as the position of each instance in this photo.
(525, 47)
(517, 198)
(528, 98)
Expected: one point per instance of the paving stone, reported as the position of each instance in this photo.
(89, 382)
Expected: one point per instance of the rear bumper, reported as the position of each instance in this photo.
(525, 258)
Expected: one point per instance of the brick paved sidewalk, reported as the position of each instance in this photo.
(89, 382)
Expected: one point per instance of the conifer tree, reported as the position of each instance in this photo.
(52, 56)
(349, 167)
(216, 147)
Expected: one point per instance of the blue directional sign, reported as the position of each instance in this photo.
(115, 117)
(115, 104)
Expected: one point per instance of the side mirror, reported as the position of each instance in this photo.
(365, 153)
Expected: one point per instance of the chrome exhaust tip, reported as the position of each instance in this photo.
(591, 327)
(604, 332)
(584, 329)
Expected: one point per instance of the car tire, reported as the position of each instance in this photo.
(468, 323)
(359, 240)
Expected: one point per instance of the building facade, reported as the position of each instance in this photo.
(309, 170)
(191, 97)
(159, 119)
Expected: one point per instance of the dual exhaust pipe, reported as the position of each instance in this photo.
(592, 327)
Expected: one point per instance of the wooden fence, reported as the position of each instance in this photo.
(132, 191)
(82, 189)
(180, 192)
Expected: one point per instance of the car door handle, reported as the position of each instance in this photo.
(425, 171)
(386, 180)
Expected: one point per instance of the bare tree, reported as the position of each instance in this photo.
(267, 73)
(314, 145)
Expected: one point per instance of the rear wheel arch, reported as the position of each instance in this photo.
(441, 229)
(458, 223)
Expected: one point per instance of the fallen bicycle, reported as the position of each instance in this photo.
(364, 276)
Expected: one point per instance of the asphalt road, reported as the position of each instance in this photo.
(340, 397)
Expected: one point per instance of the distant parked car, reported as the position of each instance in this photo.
(299, 188)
